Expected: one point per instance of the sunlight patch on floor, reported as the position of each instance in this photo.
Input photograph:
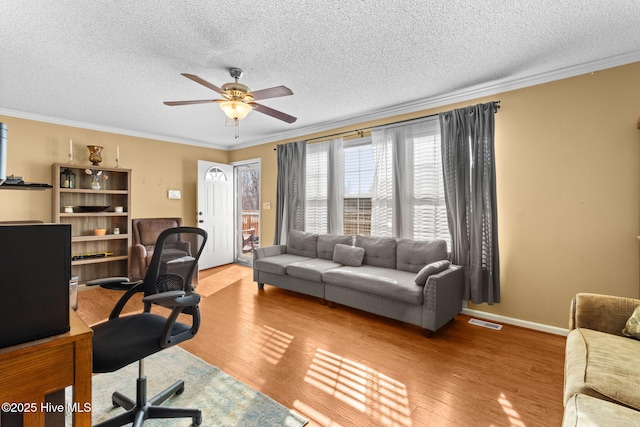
(273, 344)
(361, 387)
(318, 417)
(507, 407)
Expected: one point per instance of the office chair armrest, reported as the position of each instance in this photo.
(173, 299)
(135, 287)
(118, 283)
(155, 298)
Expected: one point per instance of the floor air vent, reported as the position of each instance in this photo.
(485, 324)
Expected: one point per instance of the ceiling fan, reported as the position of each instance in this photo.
(239, 100)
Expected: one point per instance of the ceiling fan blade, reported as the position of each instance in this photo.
(272, 92)
(203, 82)
(273, 113)
(202, 101)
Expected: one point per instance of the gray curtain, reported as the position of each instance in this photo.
(468, 163)
(290, 190)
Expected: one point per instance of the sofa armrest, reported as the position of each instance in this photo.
(264, 253)
(443, 294)
(269, 251)
(604, 313)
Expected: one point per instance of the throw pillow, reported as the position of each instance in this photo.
(348, 255)
(429, 269)
(632, 328)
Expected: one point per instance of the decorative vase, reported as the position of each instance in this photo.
(95, 184)
(95, 154)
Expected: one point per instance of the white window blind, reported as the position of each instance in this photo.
(408, 199)
(358, 186)
(316, 214)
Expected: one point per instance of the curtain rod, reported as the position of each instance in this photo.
(361, 131)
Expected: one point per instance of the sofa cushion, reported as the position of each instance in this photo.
(311, 269)
(429, 269)
(602, 365)
(587, 411)
(378, 251)
(303, 244)
(632, 327)
(393, 284)
(277, 264)
(348, 255)
(327, 242)
(412, 255)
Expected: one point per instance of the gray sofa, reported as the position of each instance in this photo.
(403, 279)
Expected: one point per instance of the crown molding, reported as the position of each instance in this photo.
(108, 129)
(474, 92)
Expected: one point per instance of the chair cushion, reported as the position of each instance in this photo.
(127, 339)
(393, 284)
(327, 243)
(311, 269)
(302, 244)
(277, 264)
(378, 251)
(412, 255)
(591, 369)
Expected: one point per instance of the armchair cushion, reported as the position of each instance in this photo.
(590, 368)
(148, 230)
(632, 328)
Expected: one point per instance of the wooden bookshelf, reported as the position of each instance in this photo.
(114, 191)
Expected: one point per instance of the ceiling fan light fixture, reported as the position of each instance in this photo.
(235, 110)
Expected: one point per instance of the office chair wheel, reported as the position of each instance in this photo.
(197, 421)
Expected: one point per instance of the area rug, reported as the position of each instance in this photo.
(223, 400)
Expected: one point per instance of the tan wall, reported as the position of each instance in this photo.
(568, 177)
(157, 166)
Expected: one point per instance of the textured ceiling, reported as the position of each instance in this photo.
(109, 65)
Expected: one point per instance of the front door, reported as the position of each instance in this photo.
(215, 213)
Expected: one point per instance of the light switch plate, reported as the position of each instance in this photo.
(175, 194)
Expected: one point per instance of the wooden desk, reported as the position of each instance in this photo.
(32, 370)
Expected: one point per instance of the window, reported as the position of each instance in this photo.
(392, 184)
(358, 187)
(316, 211)
(215, 174)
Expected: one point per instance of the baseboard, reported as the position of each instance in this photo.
(515, 322)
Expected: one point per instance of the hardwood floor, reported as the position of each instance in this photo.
(344, 367)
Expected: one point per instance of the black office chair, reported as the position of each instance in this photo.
(125, 339)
